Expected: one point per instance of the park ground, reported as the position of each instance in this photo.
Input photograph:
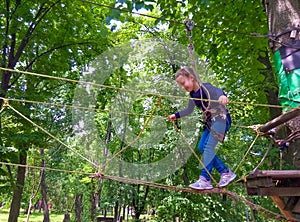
(34, 216)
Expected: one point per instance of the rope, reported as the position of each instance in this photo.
(130, 180)
(257, 135)
(73, 106)
(49, 134)
(264, 157)
(104, 86)
(252, 127)
(132, 142)
(160, 186)
(139, 92)
(160, 96)
(231, 194)
(65, 79)
(190, 148)
(139, 135)
(158, 104)
(45, 168)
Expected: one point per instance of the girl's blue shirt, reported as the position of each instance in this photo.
(200, 99)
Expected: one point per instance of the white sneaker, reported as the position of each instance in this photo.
(201, 184)
(226, 178)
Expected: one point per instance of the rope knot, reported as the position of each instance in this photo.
(97, 175)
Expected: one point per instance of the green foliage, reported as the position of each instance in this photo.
(67, 36)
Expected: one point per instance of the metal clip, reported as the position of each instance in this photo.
(189, 24)
(293, 34)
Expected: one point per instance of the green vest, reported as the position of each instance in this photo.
(289, 84)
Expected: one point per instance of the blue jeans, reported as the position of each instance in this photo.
(207, 146)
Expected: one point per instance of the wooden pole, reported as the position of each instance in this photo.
(280, 204)
(279, 120)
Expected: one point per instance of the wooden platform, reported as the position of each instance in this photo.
(274, 183)
(283, 186)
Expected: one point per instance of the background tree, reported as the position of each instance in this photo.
(36, 34)
(61, 38)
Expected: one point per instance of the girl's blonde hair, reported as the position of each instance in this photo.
(187, 71)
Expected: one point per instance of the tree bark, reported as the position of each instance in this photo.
(94, 197)
(140, 204)
(18, 189)
(116, 209)
(78, 207)
(44, 190)
(282, 17)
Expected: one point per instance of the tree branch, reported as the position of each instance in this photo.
(279, 120)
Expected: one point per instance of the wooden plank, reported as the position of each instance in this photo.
(277, 191)
(276, 174)
(260, 182)
(252, 191)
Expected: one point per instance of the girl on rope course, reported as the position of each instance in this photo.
(216, 118)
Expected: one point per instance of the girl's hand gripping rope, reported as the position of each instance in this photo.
(172, 117)
(223, 100)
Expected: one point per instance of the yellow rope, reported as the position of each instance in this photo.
(72, 106)
(252, 127)
(45, 168)
(190, 148)
(49, 134)
(161, 186)
(121, 89)
(141, 132)
(135, 91)
(253, 142)
(132, 142)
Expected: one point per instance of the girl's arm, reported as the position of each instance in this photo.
(188, 110)
(216, 93)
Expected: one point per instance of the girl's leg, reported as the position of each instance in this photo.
(226, 175)
(207, 146)
(204, 181)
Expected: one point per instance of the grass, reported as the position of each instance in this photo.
(34, 216)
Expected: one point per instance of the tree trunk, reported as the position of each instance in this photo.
(140, 205)
(94, 197)
(18, 189)
(44, 190)
(78, 207)
(116, 209)
(283, 17)
(67, 217)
